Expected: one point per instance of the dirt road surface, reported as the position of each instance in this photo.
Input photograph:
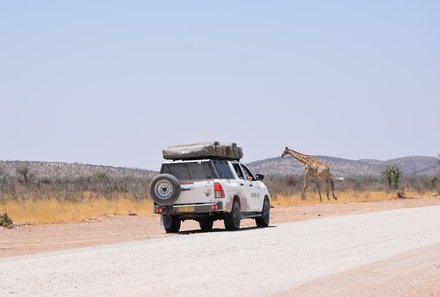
(388, 253)
(25, 240)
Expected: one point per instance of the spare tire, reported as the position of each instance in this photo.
(165, 189)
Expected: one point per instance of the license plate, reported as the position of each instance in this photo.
(186, 209)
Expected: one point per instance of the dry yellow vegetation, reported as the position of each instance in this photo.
(52, 210)
(343, 197)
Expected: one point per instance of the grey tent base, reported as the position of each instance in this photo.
(204, 150)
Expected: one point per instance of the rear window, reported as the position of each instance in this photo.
(223, 169)
(190, 170)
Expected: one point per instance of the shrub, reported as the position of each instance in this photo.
(5, 221)
(392, 174)
(401, 193)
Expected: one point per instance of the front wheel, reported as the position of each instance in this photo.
(232, 219)
(263, 221)
(171, 223)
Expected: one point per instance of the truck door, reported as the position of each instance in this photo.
(245, 194)
(255, 200)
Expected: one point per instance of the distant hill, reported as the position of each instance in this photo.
(71, 170)
(416, 165)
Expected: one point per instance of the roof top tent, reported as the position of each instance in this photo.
(203, 150)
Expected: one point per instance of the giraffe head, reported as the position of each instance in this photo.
(286, 152)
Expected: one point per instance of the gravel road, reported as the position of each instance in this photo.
(251, 262)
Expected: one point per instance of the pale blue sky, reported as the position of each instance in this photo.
(114, 82)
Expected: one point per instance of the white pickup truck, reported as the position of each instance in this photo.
(207, 190)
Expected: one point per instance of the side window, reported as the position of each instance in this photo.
(223, 169)
(247, 173)
(238, 170)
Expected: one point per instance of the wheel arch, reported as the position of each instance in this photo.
(238, 199)
(228, 206)
(267, 197)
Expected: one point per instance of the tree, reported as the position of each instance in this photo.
(434, 182)
(392, 174)
(3, 177)
(24, 175)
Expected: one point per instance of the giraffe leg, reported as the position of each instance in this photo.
(319, 190)
(332, 185)
(303, 196)
(328, 194)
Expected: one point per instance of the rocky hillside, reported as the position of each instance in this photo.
(416, 165)
(70, 170)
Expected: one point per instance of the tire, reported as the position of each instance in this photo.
(171, 223)
(165, 189)
(206, 225)
(232, 219)
(264, 220)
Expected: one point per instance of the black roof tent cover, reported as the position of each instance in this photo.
(203, 150)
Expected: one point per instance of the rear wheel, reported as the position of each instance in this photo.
(263, 221)
(171, 223)
(232, 219)
(206, 225)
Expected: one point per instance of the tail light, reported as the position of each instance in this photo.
(218, 191)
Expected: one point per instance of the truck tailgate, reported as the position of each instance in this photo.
(196, 192)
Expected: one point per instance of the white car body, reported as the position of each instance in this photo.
(198, 198)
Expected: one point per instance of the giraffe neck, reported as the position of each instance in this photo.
(305, 159)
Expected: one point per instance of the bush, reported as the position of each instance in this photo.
(392, 174)
(5, 221)
(401, 193)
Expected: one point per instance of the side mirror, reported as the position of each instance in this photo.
(259, 176)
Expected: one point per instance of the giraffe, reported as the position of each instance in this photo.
(313, 168)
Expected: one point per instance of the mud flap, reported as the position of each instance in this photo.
(161, 223)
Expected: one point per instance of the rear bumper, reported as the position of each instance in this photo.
(190, 210)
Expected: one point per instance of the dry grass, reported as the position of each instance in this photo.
(344, 197)
(53, 211)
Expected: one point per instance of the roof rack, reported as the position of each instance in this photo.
(203, 150)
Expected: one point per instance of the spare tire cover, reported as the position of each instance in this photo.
(165, 189)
